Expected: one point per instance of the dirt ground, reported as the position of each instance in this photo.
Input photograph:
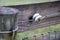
(26, 11)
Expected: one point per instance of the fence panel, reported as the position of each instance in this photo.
(55, 35)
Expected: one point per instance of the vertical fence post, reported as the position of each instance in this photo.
(59, 33)
(42, 36)
(55, 35)
(35, 37)
(49, 35)
(24, 38)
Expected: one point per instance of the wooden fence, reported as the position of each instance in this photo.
(55, 35)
